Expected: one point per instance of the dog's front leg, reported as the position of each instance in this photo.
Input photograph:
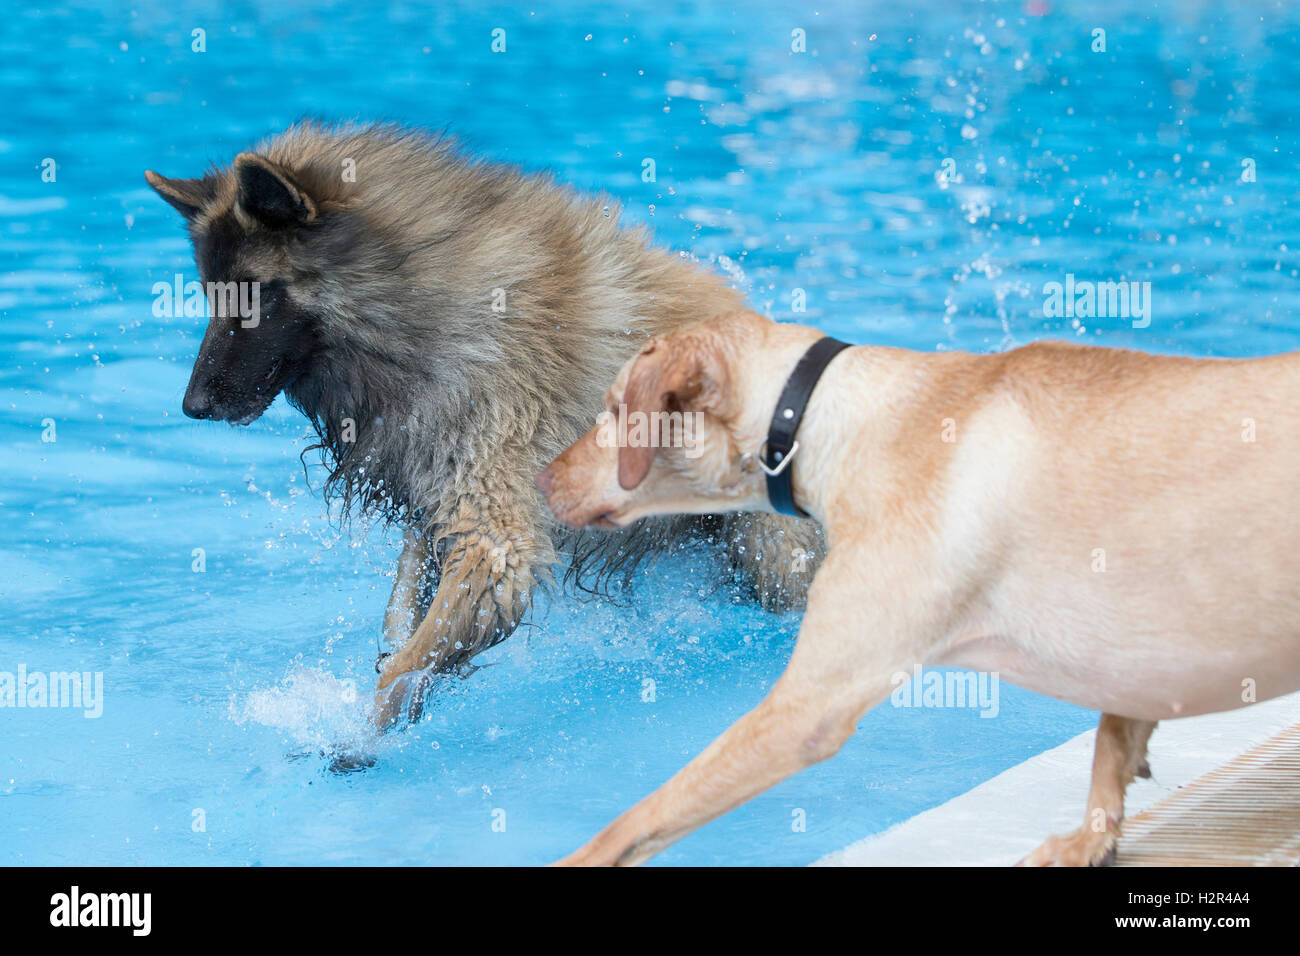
(842, 663)
(1120, 756)
(487, 577)
(411, 593)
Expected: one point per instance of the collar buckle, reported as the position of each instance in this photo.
(781, 466)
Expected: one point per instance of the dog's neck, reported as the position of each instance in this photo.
(829, 421)
(818, 436)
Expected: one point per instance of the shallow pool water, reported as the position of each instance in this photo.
(822, 173)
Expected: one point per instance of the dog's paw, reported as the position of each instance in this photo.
(351, 759)
(1082, 847)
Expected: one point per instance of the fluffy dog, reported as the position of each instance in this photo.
(448, 326)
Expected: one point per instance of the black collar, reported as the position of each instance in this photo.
(779, 449)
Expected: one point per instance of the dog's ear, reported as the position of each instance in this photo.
(186, 196)
(666, 377)
(269, 194)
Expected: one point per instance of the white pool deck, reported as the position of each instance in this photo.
(1004, 818)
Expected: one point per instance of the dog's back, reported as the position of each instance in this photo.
(1131, 502)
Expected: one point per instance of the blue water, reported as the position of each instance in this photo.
(819, 171)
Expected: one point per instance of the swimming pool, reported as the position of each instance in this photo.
(821, 172)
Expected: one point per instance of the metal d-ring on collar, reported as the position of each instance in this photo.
(779, 450)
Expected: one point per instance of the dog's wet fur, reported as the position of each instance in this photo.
(432, 409)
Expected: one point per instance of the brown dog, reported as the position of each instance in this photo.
(1110, 528)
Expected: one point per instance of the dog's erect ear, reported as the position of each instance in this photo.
(269, 194)
(186, 196)
(666, 378)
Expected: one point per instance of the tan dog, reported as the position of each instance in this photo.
(1110, 528)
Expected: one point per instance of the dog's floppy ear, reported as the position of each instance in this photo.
(186, 196)
(269, 194)
(665, 378)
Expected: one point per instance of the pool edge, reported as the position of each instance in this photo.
(994, 824)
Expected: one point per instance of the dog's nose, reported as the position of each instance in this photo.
(546, 479)
(197, 404)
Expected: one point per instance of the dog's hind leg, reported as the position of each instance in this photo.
(1119, 757)
(776, 556)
